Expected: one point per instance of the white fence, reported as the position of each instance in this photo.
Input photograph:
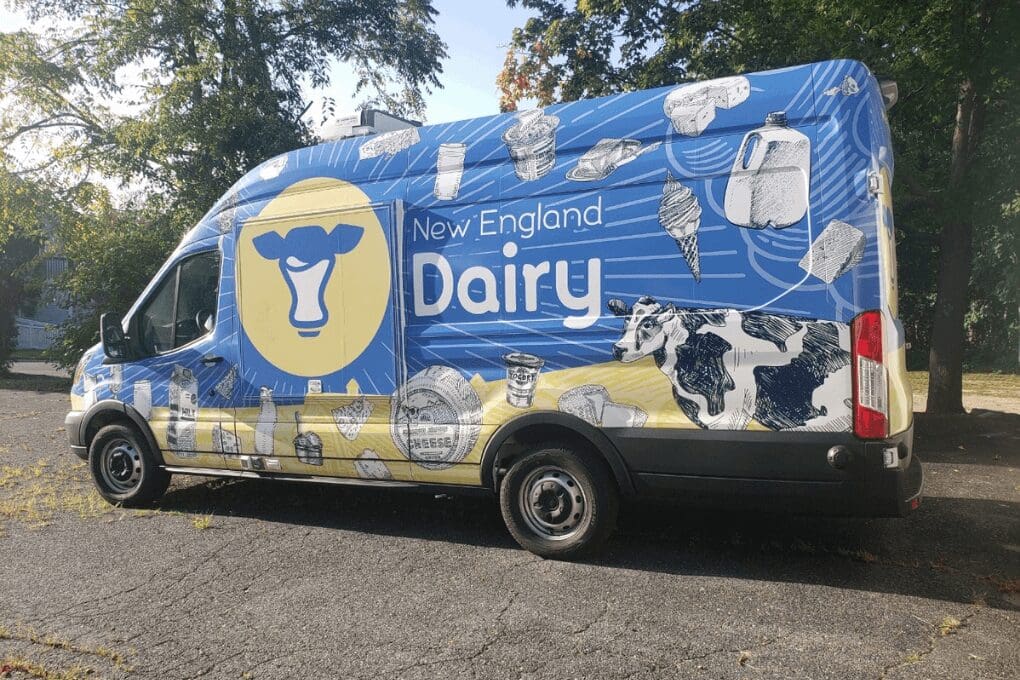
(34, 334)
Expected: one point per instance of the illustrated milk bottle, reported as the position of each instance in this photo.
(142, 400)
(266, 423)
(768, 184)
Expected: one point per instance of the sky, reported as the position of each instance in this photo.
(476, 33)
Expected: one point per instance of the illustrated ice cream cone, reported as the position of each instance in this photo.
(680, 216)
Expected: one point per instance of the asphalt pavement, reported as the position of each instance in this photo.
(248, 579)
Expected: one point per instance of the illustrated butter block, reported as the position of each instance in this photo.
(692, 107)
(836, 251)
(621, 415)
(728, 92)
(692, 120)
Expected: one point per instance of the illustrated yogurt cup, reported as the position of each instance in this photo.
(521, 378)
(532, 144)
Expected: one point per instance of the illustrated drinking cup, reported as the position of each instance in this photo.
(449, 171)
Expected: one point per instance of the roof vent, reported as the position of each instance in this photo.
(365, 122)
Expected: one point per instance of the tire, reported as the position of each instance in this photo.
(539, 501)
(124, 469)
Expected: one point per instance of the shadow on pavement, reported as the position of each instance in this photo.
(952, 549)
(955, 549)
(977, 438)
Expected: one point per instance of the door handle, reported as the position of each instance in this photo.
(211, 359)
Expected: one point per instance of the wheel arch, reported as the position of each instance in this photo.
(111, 411)
(519, 434)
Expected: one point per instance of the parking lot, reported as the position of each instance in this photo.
(245, 579)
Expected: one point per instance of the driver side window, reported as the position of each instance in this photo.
(183, 307)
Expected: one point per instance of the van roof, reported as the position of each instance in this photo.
(581, 123)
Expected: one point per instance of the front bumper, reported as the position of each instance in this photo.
(72, 425)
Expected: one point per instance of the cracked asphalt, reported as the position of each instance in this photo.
(307, 581)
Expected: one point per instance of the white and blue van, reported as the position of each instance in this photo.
(686, 292)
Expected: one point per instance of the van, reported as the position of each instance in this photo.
(687, 292)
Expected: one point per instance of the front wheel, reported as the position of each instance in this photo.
(124, 469)
(558, 502)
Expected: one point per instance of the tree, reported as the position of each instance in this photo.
(218, 84)
(23, 207)
(110, 251)
(954, 130)
(175, 99)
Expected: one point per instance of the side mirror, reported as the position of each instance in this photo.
(112, 336)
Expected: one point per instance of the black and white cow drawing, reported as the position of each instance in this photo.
(727, 367)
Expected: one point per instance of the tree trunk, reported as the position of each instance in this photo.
(945, 361)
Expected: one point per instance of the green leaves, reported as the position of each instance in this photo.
(589, 48)
(173, 100)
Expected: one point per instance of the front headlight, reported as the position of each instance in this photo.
(80, 368)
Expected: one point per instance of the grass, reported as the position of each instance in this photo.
(978, 384)
(949, 625)
(15, 664)
(34, 494)
(53, 642)
(913, 657)
(202, 522)
(28, 354)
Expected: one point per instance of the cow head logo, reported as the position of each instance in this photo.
(307, 256)
(314, 276)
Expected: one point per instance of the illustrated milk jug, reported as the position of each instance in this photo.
(266, 423)
(768, 185)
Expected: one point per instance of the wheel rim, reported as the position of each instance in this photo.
(121, 466)
(553, 503)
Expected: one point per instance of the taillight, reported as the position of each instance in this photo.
(871, 392)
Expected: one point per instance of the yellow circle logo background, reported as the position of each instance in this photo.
(264, 299)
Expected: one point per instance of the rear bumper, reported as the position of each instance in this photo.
(787, 471)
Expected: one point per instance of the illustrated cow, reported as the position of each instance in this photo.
(727, 367)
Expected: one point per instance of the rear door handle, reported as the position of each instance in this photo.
(211, 359)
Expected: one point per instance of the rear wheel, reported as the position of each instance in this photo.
(123, 468)
(559, 502)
